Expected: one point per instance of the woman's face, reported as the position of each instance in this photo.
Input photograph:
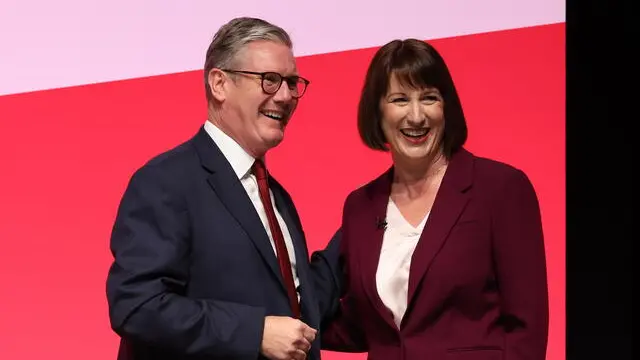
(412, 121)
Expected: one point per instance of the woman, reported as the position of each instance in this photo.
(442, 256)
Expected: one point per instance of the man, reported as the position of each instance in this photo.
(210, 258)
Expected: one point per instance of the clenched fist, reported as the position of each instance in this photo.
(286, 338)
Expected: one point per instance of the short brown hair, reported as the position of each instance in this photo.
(416, 64)
(233, 36)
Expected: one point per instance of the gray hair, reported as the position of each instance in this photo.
(233, 36)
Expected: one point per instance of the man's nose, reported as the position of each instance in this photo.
(283, 94)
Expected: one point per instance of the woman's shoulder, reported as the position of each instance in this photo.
(483, 164)
(497, 174)
(371, 187)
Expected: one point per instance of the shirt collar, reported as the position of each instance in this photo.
(240, 160)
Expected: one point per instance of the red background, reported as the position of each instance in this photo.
(67, 155)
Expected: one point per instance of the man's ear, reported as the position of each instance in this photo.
(217, 81)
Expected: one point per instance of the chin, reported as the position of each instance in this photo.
(413, 155)
(272, 141)
(417, 158)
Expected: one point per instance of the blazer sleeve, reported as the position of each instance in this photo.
(343, 332)
(325, 274)
(146, 284)
(519, 254)
(340, 327)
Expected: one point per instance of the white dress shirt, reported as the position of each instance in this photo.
(241, 162)
(392, 277)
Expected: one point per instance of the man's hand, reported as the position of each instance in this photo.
(285, 338)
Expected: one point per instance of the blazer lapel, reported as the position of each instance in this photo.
(371, 219)
(448, 205)
(232, 194)
(286, 209)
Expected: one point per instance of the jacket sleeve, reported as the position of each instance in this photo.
(146, 284)
(519, 255)
(340, 327)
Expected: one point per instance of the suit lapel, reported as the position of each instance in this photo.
(286, 209)
(232, 194)
(374, 212)
(450, 201)
(448, 205)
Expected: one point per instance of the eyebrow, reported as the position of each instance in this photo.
(426, 91)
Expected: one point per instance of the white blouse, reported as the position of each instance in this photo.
(392, 277)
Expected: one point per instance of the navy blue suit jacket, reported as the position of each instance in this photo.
(194, 273)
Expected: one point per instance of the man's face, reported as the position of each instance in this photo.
(255, 119)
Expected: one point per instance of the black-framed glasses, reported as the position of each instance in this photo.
(272, 81)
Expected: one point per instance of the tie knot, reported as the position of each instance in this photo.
(259, 169)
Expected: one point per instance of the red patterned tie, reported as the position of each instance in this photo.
(281, 249)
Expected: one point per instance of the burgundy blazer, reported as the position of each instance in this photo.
(477, 283)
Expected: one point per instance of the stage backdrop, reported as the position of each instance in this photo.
(90, 90)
